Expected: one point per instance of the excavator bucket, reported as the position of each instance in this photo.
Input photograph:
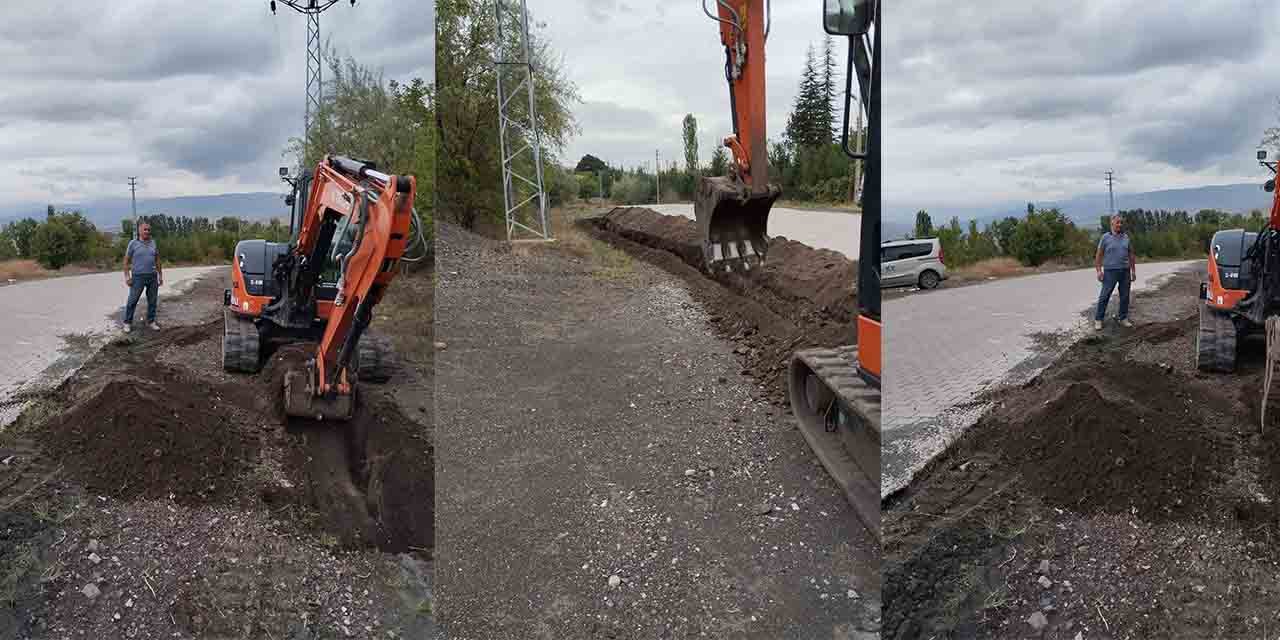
(839, 416)
(301, 400)
(733, 222)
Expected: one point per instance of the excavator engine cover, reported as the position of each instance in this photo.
(301, 401)
(733, 223)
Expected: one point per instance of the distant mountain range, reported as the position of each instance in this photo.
(900, 219)
(107, 213)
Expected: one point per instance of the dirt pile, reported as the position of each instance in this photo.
(801, 298)
(140, 438)
(803, 284)
(1091, 453)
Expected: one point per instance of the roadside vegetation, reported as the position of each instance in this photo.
(1045, 239)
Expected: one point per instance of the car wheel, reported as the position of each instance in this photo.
(929, 280)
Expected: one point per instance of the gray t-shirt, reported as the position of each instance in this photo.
(1115, 250)
(143, 255)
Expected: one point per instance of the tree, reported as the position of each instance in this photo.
(719, 162)
(53, 244)
(809, 124)
(924, 224)
(590, 163)
(828, 110)
(20, 234)
(468, 171)
(691, 144)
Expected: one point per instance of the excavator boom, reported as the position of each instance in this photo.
(733, 211)
(361, 218)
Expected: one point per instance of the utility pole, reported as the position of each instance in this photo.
(600, 175)
(657, 177)
(133, 186)
(315, 65)
(1110, 193)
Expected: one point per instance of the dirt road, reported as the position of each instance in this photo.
(153, 495)
(52, 326)
(949, 346)
(608, 472)
(1120, 494)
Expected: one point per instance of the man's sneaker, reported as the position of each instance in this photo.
(154, 326)
(1126, 324)
(1097, 325)
(128, 328)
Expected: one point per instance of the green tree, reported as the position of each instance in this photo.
(20, 234)
(53, 244)
(806, 126)
(691, 144)
(468, 170)
(590, 163)
(719, 162)
(924, 224)
(828, 112)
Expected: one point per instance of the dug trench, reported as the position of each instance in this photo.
(1118, 494)
(154, 494)
(800, 298)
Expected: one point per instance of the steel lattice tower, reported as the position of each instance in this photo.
(315, 63)
(518, 124)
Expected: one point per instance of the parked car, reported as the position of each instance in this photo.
(912, 263)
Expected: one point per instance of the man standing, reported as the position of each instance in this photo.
(142, 272)
(1115, 263)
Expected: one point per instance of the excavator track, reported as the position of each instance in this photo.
(241, 343)
(1215, 341)
(839, 415)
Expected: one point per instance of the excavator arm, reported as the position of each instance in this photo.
(359, 219)
(733, 211)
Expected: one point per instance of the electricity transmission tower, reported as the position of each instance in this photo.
(518, 124)
(315, 64)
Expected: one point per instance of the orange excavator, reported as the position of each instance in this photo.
(834, 393)
(353, 225)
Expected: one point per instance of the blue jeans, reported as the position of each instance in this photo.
(141, 281)
(1110, 278)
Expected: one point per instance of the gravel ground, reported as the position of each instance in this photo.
(605, 471)
(256, 561)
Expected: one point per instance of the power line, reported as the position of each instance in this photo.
(315, 63)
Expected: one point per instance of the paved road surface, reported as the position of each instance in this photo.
(946, 346)
(38, 313)
(822, 229)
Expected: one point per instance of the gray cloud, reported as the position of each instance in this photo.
(1013, 101)
(197, 99)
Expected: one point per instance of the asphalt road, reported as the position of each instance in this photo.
(822, 229)
(41, 314)
(946, 346)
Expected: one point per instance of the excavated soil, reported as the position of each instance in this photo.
(801, 297)
(221, 492)
(1119, 494)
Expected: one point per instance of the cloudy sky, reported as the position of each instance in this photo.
(640, 66)
(195, 98)
(1007, 100)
